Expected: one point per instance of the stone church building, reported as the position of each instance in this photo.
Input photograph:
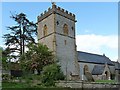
(56, 29)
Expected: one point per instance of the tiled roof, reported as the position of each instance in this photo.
(98, 69)
(117, 65)
(93, 58)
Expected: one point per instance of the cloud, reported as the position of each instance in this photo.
(3, 46)
(87, 31)
(97, 44)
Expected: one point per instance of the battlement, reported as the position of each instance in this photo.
(56, 10)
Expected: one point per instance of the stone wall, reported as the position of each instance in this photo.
(89, 85)
(57, 10)
(63, 45)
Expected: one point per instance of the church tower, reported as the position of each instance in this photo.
(56, 29)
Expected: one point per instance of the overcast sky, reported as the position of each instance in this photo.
(96, 26)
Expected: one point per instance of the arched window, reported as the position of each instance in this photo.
(45, 30)
(65, 29)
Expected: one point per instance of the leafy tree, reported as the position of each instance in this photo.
(51, 73)
(36, 57)
(5, 60)
(1, 53)
(21, 34)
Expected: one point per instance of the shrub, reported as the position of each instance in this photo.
(5, 77)
(50, 74)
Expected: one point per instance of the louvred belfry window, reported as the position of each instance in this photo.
(45, 30)
(65, 29)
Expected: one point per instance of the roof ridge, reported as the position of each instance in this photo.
(92, 53)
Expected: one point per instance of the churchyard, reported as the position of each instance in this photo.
(51, 61)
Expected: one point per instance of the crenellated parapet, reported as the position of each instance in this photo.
(56, 10)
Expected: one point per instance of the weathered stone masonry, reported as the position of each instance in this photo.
(61, 42)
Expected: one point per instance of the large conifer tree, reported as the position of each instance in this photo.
(21, 34)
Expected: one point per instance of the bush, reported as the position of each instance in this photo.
(5, 77)
(50, 74)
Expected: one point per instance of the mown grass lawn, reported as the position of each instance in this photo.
(25, 86)
(21, 85)
(105, 81)
(14, 85)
